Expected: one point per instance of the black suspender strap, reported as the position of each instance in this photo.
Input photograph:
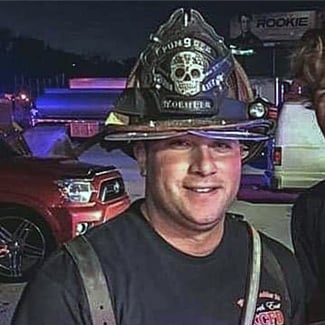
(273, 266)
(253, 286)
(94, 282)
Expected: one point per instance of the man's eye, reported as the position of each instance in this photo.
(180, 144)
(222, 145)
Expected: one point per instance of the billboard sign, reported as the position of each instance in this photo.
(272, 27)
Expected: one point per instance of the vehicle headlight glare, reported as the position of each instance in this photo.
(75, 190)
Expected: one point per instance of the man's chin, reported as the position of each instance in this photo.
(205, 223)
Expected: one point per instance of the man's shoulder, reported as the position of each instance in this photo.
(60, 270)
(286, 259)
(117, 236)
(57, 272)
(317, 189)
(105, 239)
(278, 248)
(282, 252)
(313, 196)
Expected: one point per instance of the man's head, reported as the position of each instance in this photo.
(190, 180)
(185, 110)
(244, 20)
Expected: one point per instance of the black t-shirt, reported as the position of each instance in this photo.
(308, 236)
(153, 283)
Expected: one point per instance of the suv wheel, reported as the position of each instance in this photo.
(24, 243)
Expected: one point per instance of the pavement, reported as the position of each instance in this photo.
(272, 219)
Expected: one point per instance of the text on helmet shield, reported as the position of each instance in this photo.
(198, 106)
(186, 43)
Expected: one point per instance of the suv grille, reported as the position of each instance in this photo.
(111, 189)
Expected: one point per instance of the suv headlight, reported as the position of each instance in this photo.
(75, 190)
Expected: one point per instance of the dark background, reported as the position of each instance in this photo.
(118, 29)
(43, 43)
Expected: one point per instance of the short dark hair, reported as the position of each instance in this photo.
(244, 14)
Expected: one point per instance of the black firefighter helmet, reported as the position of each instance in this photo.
(186, 81)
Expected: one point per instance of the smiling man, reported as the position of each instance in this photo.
(175, 257)
(190, 183)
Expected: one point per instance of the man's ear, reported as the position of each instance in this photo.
(244, 151)
(139, 152)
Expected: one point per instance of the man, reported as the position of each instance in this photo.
(308, 221)
(174, 257)
(246, 38)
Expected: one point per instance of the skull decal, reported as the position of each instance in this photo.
(187, 72)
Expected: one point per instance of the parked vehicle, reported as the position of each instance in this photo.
(47, 201)
(296, 160)
(299, 153)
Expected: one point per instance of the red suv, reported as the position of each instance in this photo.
(46, 201)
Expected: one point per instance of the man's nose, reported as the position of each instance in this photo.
(203, 161)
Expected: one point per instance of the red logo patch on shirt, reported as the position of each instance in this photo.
(268, 309)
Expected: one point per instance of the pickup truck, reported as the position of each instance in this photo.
(48, 195)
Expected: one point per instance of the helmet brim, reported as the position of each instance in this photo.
(252, 135)
(255, 130)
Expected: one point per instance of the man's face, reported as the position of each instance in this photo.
(245, 24)
(191, 180)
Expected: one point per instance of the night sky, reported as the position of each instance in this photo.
(118, 29)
